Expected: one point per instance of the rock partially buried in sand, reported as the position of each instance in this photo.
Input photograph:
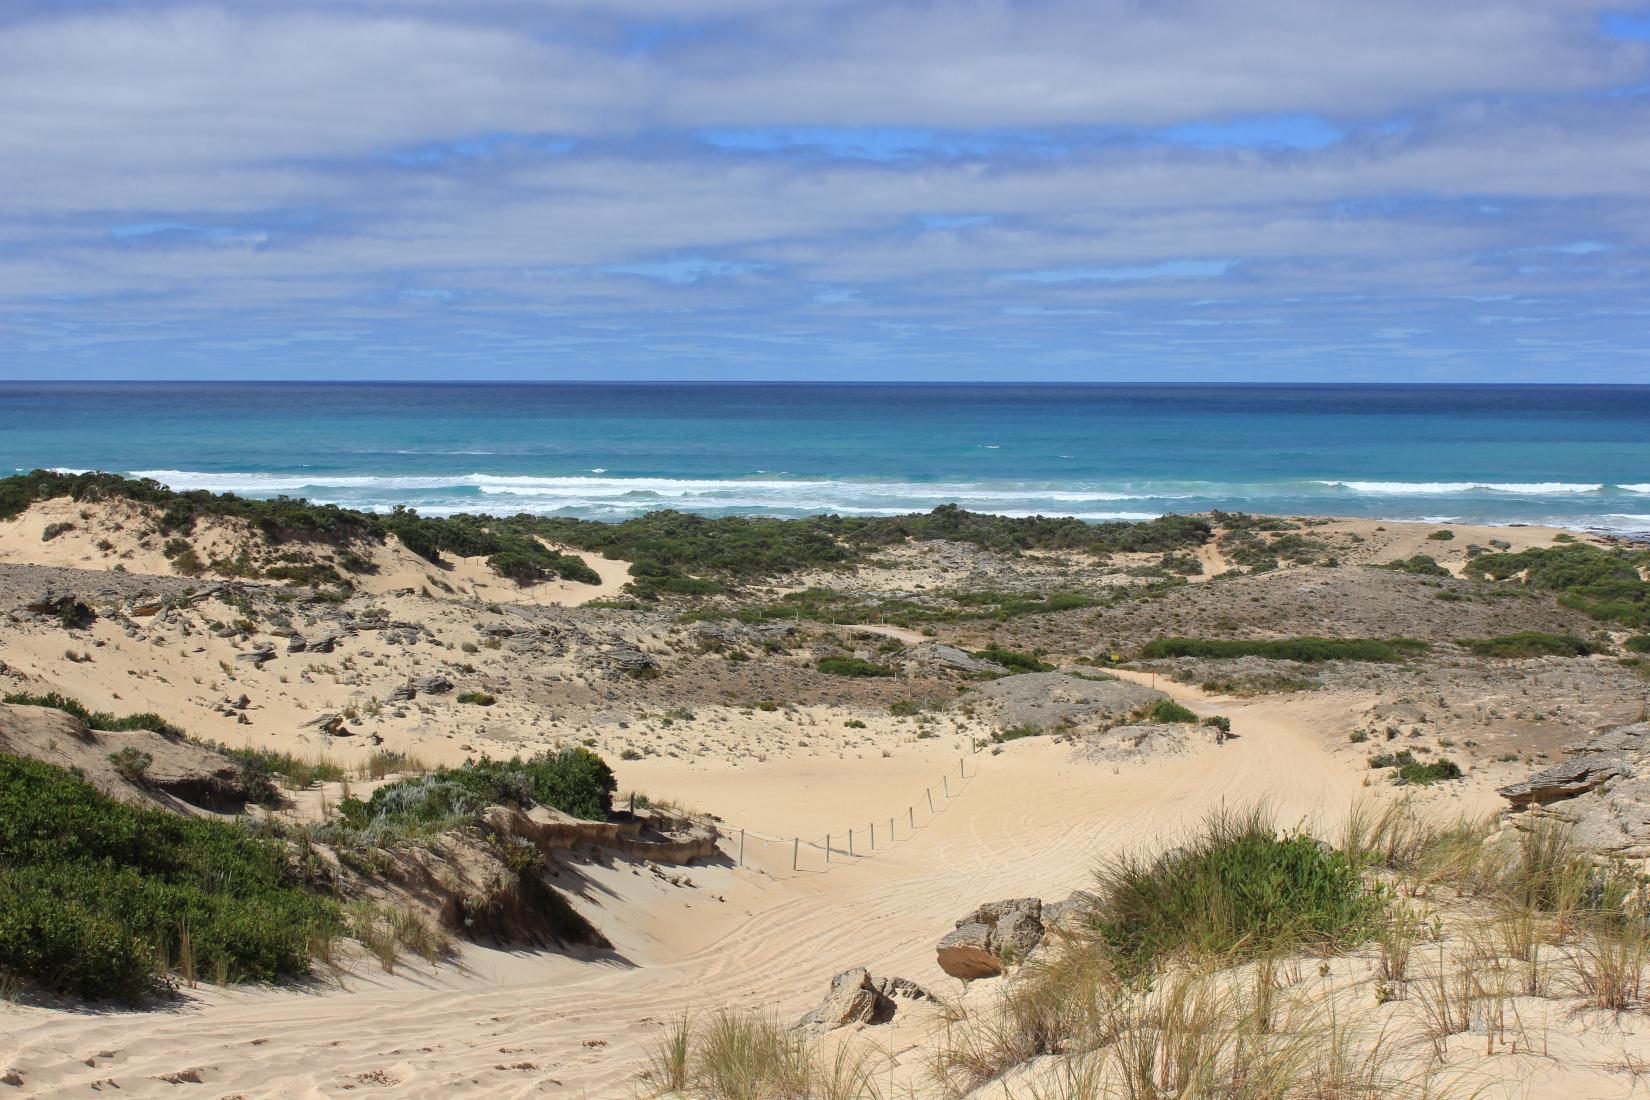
(991, 937)
(1565, 780)
(858, 998)
(433, 685)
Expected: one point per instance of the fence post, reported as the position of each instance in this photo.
(911, 818)
(873, 836)
(890, 832)
(929, 791)
(796, 849)
(827, 847)
(961, 774)
(741, 847)
(946, 779)
(850, 842)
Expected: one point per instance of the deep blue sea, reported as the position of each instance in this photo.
(1572, 455)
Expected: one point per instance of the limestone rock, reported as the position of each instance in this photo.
(991, 937)
(1565, 779)
(433, 685)
(857, 998)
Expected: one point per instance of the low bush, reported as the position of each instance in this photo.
(476, 698)
(1443, 535)
(574, 780)
(1167, 710)
(1423, 565)
(94, 719)
(1415, 773)
(1014, 733)
(1638, 643)
(98, 899)
(853, 666)
(1531, 643)
(1008, 658)
(1308, 650)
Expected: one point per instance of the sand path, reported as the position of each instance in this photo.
(1031, 821)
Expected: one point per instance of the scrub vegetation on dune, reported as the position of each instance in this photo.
(1305, 650)
(1605, 584)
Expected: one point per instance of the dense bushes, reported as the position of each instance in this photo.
(1008, 658)
(1424, 565)
(574, 780)
(1604, 584)
(1307, 650)
(98, 898)
(1531, 643)
(1239, 888)
(853, 666)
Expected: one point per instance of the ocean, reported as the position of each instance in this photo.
(1576, 456)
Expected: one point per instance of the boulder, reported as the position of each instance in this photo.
(855, 998)
(402, 694)
(433, 685)
(627, 659)
(945, 656)
(991, 937)
(1565, 779)
(1049, 701)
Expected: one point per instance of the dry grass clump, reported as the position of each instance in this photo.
(751, 1056)
(1468, 927)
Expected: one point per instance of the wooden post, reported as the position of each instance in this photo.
(911, 818)
(873, 836)
(741, 847)
(827, 847)
(946, 779)
(929, 791)
(796, 850)
(850, 842)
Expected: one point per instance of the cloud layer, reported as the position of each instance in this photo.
(1110, 189)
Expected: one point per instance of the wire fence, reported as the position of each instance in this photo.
(796, 854)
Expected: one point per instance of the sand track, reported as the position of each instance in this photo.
(1032, 821)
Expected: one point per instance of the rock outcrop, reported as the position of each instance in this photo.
(1603, 790)
(857, 998)
(1049, 701)
(991, 937)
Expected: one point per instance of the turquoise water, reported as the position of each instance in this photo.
(1572, 455)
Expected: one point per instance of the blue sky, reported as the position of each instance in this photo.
(1109, 190)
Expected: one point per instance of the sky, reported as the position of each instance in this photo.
(1100, 190)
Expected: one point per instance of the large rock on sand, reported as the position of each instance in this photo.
(858, 998)
(1603, 791)
(1048, 701)
(991, 937)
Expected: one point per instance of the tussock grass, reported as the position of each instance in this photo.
(751, 1056)
(1240, 888)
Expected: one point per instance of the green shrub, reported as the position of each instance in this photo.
(1444, 535)
(1531, 643)
(1238, 889)
(1638, 643)
(94, 719)
(1008, 658)
(55, 529)
(574, 780)
(1603, 584)
(132, 764)
(1167, 710)
(96, 897)
(1421, 564)
(853, 666)
(1413, 772)
(1308, 650)
(476, 698)
(1015, 733)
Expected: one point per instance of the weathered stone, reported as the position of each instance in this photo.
(433, 685)
(1565, 780)
(945, 656)
(991, 937)
(856, 998)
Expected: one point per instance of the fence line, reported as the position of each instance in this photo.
(827, 845)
